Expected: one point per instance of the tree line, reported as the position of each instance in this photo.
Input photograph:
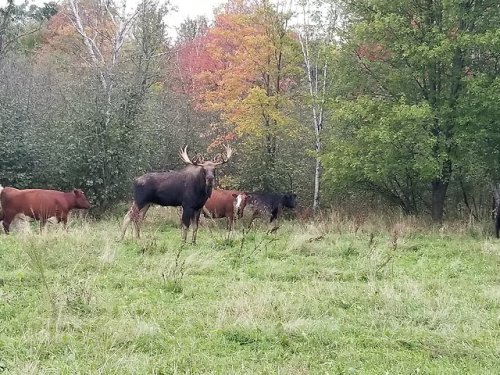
(346, 102)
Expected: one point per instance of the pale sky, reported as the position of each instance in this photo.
(186, 8)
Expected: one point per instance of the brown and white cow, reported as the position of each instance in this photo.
(39, 204)
(224, 203)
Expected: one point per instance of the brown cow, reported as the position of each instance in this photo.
(40, 204)
(222, 203)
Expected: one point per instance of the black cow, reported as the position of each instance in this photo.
(189, 188)
(266, 204)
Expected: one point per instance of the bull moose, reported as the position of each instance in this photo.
(189, 188)
(39, 204)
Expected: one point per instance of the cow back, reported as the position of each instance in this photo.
(35, 203)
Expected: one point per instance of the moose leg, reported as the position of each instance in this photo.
(194, 221)
(187, 215)
(126, 222)
(206, 212)
(132, 212)
(138, 218)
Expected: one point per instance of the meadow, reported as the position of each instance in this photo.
(332, 296)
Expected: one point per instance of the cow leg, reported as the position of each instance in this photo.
(187, 215)
(493, 208)
(64, 220)
(497, 223)
(231, 221)
(194, 222)
(254, 216)
(7, 220)
(43, 222)
(62, 217)
(274, 214)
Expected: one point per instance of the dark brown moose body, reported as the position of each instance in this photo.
(189, 188)
(222, 204)
(40, 204)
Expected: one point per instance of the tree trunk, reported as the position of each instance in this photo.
(317, 82)
(439, 188)
(317, 178)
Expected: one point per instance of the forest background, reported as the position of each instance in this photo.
(357, 104)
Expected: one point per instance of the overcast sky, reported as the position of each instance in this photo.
(186, 8)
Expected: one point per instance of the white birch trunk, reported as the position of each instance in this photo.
(105, 69)
(317, 90)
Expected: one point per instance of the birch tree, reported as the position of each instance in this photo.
(316, 35)
(124, 50)
(113, 24)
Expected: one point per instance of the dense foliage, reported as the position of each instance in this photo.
(393, 101)
(411, 117)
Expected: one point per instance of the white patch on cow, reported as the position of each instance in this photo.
(1, 188)
(239, 201)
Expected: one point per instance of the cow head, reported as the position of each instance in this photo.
(240, 202)
(208, 166)
(81, 200)
(289, 200)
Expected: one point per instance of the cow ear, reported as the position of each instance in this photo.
(76, 192)
(235, 195)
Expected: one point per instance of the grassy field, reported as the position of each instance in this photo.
(330, 297)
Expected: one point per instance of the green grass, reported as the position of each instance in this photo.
(332, 297)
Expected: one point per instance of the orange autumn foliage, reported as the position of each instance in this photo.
(236, 69)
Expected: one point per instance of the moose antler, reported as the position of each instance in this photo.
(229, 152)
(184, 156)
(198, 159)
